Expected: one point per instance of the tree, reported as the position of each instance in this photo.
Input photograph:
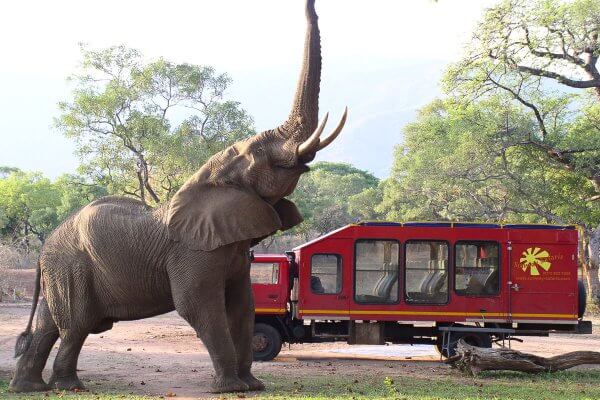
(332, 195)
(542, 54)
(75, 193)
(32, 206)
(5, 171)
(363, 205)
(123, 117)
(28, 202)
(463, 162)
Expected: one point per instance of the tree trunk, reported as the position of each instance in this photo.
(144, 178)
(473, 360)
(26, 234)
(590, 251)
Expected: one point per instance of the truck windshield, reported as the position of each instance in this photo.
(264, 273)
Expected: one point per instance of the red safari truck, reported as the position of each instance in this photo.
(420, 282)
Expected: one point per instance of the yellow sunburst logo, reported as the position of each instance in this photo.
(534, 257)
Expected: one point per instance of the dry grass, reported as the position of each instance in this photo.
(15, 280)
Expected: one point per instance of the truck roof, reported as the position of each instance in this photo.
(446, 224)
(439, 224)
(269, 257)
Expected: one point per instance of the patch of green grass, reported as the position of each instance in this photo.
(563, 385)
(57, 394)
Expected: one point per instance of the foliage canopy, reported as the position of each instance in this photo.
(142, 128)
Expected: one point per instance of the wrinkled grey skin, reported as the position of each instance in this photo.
(118, 260)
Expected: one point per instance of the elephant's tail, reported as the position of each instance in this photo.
(25, 338)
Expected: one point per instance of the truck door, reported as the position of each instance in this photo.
(544, 282)
(325, 287)
(478, 276)
(269, 283)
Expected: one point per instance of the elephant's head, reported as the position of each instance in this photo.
(239, 194)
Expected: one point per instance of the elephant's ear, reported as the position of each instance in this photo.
(205, 217)
(288, 214)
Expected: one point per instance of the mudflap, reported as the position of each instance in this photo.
(584, 327)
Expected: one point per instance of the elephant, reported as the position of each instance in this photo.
(118, 259)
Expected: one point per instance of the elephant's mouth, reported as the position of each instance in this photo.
(302, 167)
(285, 181)
(297, 169)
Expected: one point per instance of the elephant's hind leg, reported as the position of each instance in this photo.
(64, 375)
(28, 375)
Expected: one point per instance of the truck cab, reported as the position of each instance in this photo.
(270, 275)
(271, 279)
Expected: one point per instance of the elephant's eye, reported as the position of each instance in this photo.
(260, 152)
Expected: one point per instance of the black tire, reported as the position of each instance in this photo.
(473, 338)
(266, 343)
(582, 299)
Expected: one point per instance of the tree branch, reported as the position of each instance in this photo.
(531, 106)
(548, 54)
(591, 83)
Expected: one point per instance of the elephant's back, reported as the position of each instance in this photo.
(108, 256)
(120, 201)
(109, 209)
(104, 214)
(115, 229)
(111, 213)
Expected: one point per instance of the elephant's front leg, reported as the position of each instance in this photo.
(240, 313)
(201, 302)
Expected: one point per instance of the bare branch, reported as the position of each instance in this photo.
(591, 83)
(520, 99)
(555, 56)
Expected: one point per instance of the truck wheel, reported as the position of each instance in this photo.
(266, 343)
(473, 338)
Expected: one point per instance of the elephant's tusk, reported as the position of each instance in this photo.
(310, 143)
(335, 133)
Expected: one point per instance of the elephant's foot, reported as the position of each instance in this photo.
(253, 383)
(24, 385)
(70, 382)
(232, 384)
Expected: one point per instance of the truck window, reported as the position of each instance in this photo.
(477, 268)
(264, 273)
(325, 274)
(426, 272)
(376, 271)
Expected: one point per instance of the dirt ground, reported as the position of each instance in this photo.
(159, 355)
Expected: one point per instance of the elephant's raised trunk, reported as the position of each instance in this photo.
(304, 116)
(301, 138)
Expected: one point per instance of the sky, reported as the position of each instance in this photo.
(381, 58)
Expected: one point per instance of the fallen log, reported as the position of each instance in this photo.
(473, 360)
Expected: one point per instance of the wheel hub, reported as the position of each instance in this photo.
(259, 342)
